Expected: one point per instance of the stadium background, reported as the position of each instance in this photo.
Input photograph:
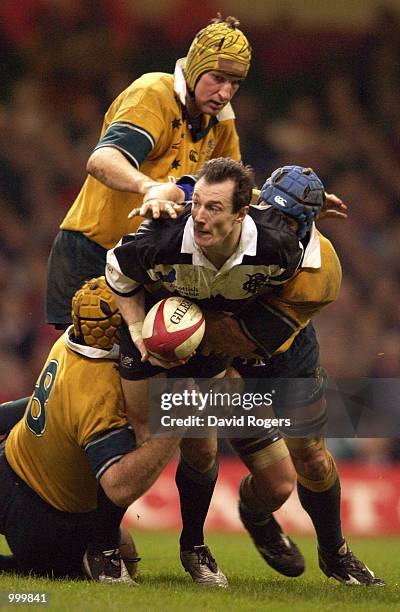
(324, 90)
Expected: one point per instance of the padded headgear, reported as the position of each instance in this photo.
(219, 46)
(95, 316)
(297, 192)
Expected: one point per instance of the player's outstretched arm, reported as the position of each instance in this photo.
(110, 167)
(125, 481)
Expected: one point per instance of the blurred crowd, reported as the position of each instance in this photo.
(330, 100)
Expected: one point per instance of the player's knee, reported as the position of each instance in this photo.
(202, 461)
(280, 493)
(275, 493)
(200, 458)
(314, 464)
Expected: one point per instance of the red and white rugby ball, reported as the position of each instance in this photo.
(173, 328)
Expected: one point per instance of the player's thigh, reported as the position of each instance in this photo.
(137, 400)
(135, 381)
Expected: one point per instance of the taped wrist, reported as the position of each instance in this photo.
(135, 330)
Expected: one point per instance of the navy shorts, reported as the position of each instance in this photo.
(43, 540)
(300, 363)
(73, 260)
(298, 381)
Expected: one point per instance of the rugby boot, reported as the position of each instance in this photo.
(345, 567)
(275, 547)
(107, 567)
(202, 567)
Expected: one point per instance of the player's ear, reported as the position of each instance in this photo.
(241, 214)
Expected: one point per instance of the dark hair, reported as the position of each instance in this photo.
(224, 168)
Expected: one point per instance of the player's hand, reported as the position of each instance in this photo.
(333, 208)
(163, 199)
(154, 209)
(223, 334)
(135, 330)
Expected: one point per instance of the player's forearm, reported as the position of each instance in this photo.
(132, 308)
(127, 480)
(110, 167)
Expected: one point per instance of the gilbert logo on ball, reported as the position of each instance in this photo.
(173, 328)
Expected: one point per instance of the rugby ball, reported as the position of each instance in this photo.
(173, 328)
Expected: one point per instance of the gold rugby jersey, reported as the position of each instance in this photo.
(74, 426)
(274, 319)
(148, 123)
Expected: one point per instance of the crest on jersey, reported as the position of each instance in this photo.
(255, 282)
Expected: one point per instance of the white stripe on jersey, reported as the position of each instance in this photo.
(135, 129)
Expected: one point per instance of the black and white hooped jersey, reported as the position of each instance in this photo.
(164, 252)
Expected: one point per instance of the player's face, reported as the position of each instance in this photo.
(214, 90)
(213, 219)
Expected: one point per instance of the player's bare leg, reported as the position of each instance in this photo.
(195, 478)
(264, 490)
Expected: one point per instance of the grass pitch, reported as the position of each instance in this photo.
(164, 586)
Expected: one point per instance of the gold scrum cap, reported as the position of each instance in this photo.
(95, 317)
(219, 46)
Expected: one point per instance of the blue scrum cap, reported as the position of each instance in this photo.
(297, 192)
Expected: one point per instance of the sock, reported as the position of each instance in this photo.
(11, 413)
(105, 530)
(323, 507)
(195, 493)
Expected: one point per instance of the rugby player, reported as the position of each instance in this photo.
(73, 446)
(285, 347)
(211, 250)
(277, 333)
(161, 127)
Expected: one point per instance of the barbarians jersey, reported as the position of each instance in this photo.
(148, 123)
(74, 426)
(273, 321)
(164, 253)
